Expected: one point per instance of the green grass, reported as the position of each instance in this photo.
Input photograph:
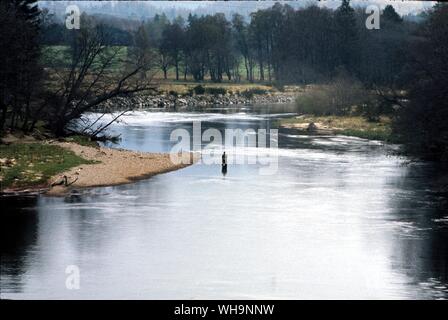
(55, 56)
(33, 164)
(82, 140)
(59, 56)
(183, 88)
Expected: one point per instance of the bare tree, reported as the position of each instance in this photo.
(165, 61)
(96, 74)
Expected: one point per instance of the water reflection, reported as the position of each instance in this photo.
(340, 219)
(224, 169)
(420, 215)
(18, 236)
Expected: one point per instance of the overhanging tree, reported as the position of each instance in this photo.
(96, 74)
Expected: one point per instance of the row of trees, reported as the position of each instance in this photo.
(312, 44)
(286, 45)
(200, 49)
(276, 44)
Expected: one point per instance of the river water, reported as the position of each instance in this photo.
(342, 218)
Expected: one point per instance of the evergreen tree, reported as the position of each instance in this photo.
(347, 51)
(19, 54)
(390, 14)
(422, 122)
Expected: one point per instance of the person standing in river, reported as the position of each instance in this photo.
(224, 164)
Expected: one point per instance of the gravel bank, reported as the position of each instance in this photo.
(114, 167)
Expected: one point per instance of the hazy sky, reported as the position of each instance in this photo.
(244, 7)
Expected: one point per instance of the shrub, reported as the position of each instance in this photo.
(337, 98)
(249, 93)
(199, 89)
(215, 91)
(316, 102)
(375, 107)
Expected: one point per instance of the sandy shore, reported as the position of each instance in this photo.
(114, 167)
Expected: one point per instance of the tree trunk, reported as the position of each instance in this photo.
(3, 118)
(247, 68)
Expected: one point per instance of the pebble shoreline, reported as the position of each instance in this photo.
(181, 102)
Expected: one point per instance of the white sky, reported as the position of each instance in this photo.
(402, 7)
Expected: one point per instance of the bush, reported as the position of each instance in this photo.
(199, 89)
(316, 102)
(215, 91)
(249, 93)
(337, 98)
(374, 108)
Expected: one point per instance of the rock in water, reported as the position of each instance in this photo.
(311, 127)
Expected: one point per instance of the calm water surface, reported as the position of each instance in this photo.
(342, 218)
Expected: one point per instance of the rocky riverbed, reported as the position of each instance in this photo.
(182, 102)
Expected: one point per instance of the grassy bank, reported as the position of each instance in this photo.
(186, 87)
(81, 140)
(32, 164)
(355, 126)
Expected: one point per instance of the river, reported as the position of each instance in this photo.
(342, 218)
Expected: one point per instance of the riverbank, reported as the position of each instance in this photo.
(27, 165)
(56, 168)
(186, 96)
(355, 126)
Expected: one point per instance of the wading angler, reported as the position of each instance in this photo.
(247, 146)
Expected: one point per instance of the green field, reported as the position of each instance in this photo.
(58, 56)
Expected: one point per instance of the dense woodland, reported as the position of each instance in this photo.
(403, 62)
(277, 44)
